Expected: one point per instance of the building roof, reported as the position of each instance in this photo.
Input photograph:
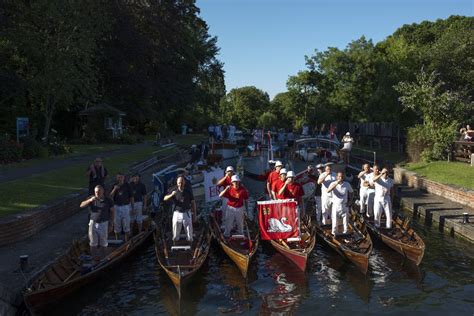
(102, 108)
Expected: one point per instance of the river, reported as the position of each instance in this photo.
(442, 284)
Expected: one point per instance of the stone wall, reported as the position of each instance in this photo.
(450, 192)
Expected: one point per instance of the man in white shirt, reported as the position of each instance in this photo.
(383, 197)
(347, 141)
(366, 204)
(325, 179)
(341, 194)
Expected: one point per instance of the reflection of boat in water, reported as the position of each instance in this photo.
(290, 287)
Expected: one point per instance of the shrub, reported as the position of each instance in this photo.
(427, 143)
(10, 151)
(130, 139)
(59, 148)
(33, 149)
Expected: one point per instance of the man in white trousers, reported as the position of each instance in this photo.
(341, 194)
(365, 198)
(383, 197)
(325, 180)
(184, 209)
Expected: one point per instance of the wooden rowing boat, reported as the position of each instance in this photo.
(297, 250)
(76, 269)
(355, 246)
(401, 237)
(181, 259)
(240, 249)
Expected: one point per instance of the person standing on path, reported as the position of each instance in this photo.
(184, 209)
(124, 204)
(140, 200)
(101, 214)
(237, 195)
(97, 174)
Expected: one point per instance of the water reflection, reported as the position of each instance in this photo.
(288, 289)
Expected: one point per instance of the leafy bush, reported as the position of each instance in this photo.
(10, 151)
(426, 143)
(58, 148)
(33, 149)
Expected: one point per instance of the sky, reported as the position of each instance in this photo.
(263, 42)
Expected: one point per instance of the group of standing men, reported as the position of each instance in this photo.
(119, 209)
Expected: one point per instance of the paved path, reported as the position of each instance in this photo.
(54, 164)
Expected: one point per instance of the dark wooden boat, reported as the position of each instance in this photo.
(355, 246)
(70, 271)
(240, 249)
(182, 259)
(401, 237)
(297, 250)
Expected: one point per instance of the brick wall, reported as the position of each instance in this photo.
(17, 227)
(455, 194)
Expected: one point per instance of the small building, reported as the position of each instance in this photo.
(104, 116)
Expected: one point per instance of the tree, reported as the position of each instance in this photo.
(243, 106)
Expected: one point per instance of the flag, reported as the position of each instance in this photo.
(211, 190)
(278, 219)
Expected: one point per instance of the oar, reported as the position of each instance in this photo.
(198, 246)
(248, 234)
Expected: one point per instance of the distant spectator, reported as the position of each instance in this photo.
(97, 174)
(212, 135)
(347, 141)
(218, 133)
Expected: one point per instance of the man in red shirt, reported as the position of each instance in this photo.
(236, 195)
(292, 190)
(224, 182)
(273, 176)
(278, 184)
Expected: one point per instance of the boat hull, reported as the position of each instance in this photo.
(43, 299)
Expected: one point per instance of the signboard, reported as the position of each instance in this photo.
(211, 191)
(22, 130)
(278, 219)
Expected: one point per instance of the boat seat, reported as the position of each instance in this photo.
(293, 239)
(237, 237)
(115, 242)
(180, 248)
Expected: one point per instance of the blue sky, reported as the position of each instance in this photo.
(263, 42)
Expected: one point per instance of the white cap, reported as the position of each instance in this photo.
(348, 134)
(278, 163)
(320, 166)
(235, 178)
(290, 174)
(229, 168)
(282, 171)
(271, 161)
(193, 146)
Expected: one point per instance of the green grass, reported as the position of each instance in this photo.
(455, 173)
(20, 195)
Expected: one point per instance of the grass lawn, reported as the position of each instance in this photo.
(20, 195)
(457, 173)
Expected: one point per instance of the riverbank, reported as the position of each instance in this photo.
(42, 249)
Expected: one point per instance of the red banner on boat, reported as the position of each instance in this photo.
(278, 219)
